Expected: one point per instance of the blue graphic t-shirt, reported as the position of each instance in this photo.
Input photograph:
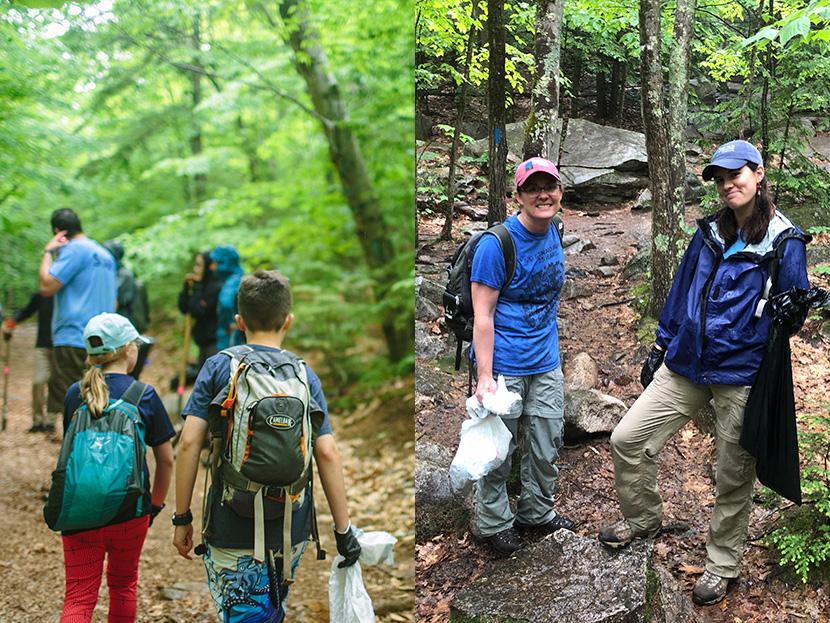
(87, 272)
(526, 339)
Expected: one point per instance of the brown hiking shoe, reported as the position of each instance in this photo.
(710, 589)
(622, 533)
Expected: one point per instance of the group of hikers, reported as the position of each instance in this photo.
(710, 341)
(262, 407)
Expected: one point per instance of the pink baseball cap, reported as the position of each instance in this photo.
(535, 165)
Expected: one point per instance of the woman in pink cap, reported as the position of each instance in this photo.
(515, 335)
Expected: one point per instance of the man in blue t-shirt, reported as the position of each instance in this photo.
(515, 335)
(80, 274)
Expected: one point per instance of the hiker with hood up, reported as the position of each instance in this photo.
(199, 296)
(711, 338)
(229, 272)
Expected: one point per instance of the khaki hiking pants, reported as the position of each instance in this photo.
(660, 411)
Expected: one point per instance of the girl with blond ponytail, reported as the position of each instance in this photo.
(112, 351)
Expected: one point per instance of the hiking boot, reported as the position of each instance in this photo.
(35, 428)
(710, 589)
(559, 522)
(505, 542)
(48, 428)
(622, 533)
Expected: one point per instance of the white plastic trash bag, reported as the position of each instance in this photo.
(376, 547)
(501, 402)
(348, 600)
(485, 439)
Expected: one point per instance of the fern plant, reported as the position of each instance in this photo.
(803, 541)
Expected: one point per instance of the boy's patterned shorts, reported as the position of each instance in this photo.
(243, 590)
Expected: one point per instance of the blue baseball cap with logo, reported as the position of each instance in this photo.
(732, 156)
(106, 333)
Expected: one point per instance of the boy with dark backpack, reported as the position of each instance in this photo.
(266, 414)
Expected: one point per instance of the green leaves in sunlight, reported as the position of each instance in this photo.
(175, 126)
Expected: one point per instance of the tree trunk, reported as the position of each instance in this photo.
(196, 148)
(665, 227)
(680, 54)
(496, 209)
(372, 232)
(602, 95)
(616, 99)
(446, 230)
(769, 74)
(544, 131)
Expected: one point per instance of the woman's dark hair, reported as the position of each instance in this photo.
(756, 227)
(66, 220)
(207, 273)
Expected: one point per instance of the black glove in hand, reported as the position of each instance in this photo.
(789, 309)
(652, 362)
(347, 547)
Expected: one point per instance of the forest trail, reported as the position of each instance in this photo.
(378, 472)
(600, 321)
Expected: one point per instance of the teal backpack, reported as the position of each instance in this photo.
(100, 470)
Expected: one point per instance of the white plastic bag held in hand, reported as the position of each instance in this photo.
(348, 600)
(485, 439)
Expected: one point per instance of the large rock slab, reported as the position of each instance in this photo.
(563, 577)
(439, 510)
(602, 185)
(594, 146)
(588, 411)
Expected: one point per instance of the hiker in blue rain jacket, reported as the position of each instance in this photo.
(710, 342)
(229, 272)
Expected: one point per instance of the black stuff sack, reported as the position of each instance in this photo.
(769, 430)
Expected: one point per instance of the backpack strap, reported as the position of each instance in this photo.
(559, 226)
(134, 393)
(508, 249)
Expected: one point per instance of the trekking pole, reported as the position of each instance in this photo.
(185, 351)
(7, 344)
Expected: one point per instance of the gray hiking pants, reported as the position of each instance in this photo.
(660, 411)
(539, 418)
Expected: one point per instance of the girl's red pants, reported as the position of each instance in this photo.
(83, 556)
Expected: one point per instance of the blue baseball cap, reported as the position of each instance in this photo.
(106, 333)
(732, 156)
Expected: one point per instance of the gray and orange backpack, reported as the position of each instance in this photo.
(261, 443)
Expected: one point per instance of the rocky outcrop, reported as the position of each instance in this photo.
(566, 577)
(438, 509)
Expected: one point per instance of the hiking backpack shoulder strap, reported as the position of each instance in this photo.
(508, 249)
(134, 393)
(559, 226)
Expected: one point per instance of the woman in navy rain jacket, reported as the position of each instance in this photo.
(710, 341)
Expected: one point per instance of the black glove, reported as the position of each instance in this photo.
(789, 309)
(652, 362)
(347, 547)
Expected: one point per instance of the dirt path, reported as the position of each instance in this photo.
(171, 589)
(601, 322)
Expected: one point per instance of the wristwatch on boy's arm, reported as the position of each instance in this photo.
(182, 519)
